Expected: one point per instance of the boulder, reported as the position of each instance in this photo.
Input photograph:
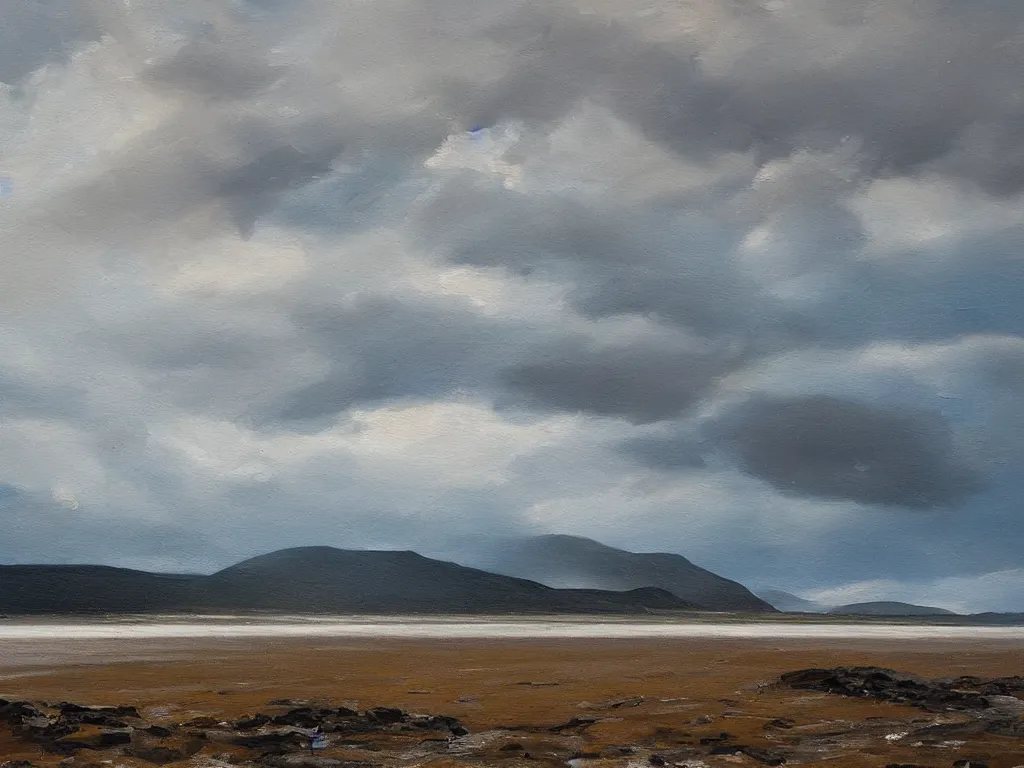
(275, 743)
(387, 715)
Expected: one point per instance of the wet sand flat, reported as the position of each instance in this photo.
(686, 688)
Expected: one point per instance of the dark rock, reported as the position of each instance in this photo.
(158, 731)
(779, 722)
(204, 721)
(16, 764)
(16, 711)
(726, 749)
(576, 722)
(387, 715)
(68, 709)
(905, 765)
(706, 740)
(164, 755)
(512, 747)
(656, 760)
(114, 738)
(251, 723)
(440, 723)
(311, 761)
(897, 688)
(766, 756)
(969, 764)
(279, 742)
(95, 718)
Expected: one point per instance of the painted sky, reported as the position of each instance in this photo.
(732, 279)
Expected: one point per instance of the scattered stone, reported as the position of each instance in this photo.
(251, 723)
(726, 749)
(766, 756)
(164, 755)
(387, 715)
(277, 742)
(576, 722)
(898, 688)
(723, 736)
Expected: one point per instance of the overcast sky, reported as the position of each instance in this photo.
(732, 279)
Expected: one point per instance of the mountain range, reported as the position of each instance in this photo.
(547, 574)
(311, 579)
(790, 603)
(575, 561)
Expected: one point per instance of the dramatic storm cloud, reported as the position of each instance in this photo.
(739, 280)
(839, 449)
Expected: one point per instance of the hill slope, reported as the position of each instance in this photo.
(790, 603)
(889, 608)
(88, 588)
(574, 561)
(310, 579)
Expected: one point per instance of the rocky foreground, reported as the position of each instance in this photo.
(953, 713)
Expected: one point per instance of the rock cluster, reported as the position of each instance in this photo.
(67, 729)
(967, 694)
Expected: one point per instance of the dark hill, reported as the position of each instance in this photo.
(87, 588)
(574, 561)
(310, 579)
(889, 608)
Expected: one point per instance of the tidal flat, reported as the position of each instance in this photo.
(624, 700)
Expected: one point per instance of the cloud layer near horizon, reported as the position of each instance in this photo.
(737, 280)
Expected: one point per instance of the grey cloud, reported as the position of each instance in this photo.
(677, 452)
(255, 188)
(639, 383)
(38, 529)
(205, 67)
(35, 32)
(616, 262)
(382, 349)
(832, 448)
(913, 99)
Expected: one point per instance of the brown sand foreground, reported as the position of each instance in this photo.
(690, 689)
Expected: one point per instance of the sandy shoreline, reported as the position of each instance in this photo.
(497, 682)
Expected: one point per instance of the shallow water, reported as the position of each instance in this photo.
(481, 628)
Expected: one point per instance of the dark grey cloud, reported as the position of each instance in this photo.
(640, 383)
(207, 66)
(255, 188)
(831, 448)
(35, 32)
(39, 529)
(383, 349)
